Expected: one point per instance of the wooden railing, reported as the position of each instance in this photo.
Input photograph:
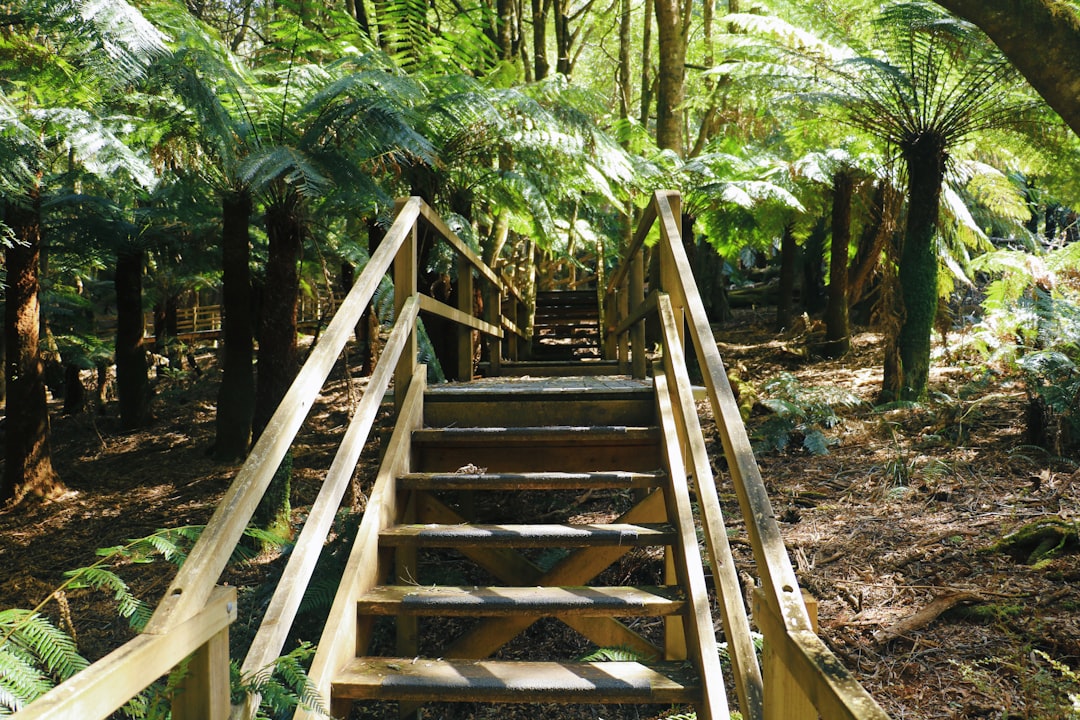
(800, 678)
(192, 618)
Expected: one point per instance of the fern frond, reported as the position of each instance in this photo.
(34, 655)
(621, 653)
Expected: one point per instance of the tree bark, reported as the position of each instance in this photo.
(785, 298)
(646, 63)
(278, 355)
(132, 384)
(837, 328)
(813, 286)
(540, 10)
(884, 210)
(925, 159)
(671, 74)
(1040, 38)
(28, 468)
(236, 394)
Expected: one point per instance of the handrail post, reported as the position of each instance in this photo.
(464, 333)
(784, 698)
(203, 694)
(636, 296)
(671, 233)
(493, 314)
(405, 286)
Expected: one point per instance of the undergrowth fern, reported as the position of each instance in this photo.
(801, 411)
(35, 655)
(282, 687)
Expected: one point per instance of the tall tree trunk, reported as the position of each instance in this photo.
(505, 29)
(28, 468)
(646, 63)
(563, 37)
(884, 210)
(837, 328)
(132, 384)
(540, 10)
(671, 75)
(277, 365)
(918, 268)
(785, 297)
(813, 286)
(236, 394)
(625, 27)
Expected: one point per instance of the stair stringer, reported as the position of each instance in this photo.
(344, 635)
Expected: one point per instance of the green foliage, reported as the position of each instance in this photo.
(34, 656)
(282, 687)
(621, 653)
(800, 413)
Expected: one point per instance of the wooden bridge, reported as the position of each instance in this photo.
(596, 413)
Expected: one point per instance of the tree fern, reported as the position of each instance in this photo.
(282, 687)
(34, 656)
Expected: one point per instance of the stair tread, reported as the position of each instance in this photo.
(538, 433)
(418, 679)
(529, 480)
(456, 600)
(531, 535)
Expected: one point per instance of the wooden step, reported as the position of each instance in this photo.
(461, 601)
(558, 368)
(531, 404)
(531, 536)
(421, 680)
(541, 449)
(530, 481)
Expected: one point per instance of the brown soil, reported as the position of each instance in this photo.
(893, 531)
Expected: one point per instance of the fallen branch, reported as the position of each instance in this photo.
(926, 615)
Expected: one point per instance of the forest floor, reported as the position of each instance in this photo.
(896, 531)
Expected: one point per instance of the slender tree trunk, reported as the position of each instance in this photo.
(813, 287)
(837, 328)
(883, 213)
(918, 268)
(646, 63)
(563, 37)
(625, 92)
(28, 468)
(132, 384)
(540, 10)
(236, 394)
(505, 29)
(785, 298)
(671, 75)
(3, 359)
(277, 365)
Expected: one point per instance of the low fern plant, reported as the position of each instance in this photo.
(800, 414)
(36, 655)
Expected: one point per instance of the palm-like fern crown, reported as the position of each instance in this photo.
(933, 75)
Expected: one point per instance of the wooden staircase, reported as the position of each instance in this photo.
(455, 572)
(481, 445)
(566, 325)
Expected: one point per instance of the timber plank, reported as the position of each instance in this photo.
(531, 481)
(461, 601)
(535, 536)
(420, 680)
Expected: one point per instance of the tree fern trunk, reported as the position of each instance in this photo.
(837, 328)
(28, 459)
(132, 384)
(918, 268)
(236, 394)
(785, 294)
(277, 364)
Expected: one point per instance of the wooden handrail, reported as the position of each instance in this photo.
(193, 616)
(805, 670)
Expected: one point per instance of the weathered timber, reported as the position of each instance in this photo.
(535, 536)
(512, 600)
(423, 680)
(531, 481)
